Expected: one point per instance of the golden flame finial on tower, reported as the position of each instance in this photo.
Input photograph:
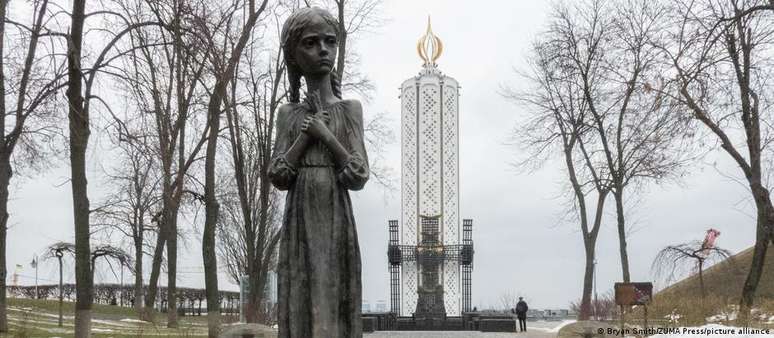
(429, 46)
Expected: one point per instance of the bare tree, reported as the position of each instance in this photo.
(249, 222)
(612, 49)
(672, 260)
(58, 250)
(721, 69)
(760, 5)
(224, 58)
(79, 138)
(508, 300)
(354, 16)
(164, 73)
(26, 108)
(80, 95)
(559, 121)
(109, 253)
(603, 308)
(129, 209)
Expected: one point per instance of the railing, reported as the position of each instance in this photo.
(462, 253)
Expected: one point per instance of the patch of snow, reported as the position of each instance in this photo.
(110, 322)
(716, 318)
(726, 315)
(673, 317)
(561, 325)
(552, 329)
(27, 309)
(132, 320)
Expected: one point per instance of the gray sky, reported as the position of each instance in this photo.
(520, 246)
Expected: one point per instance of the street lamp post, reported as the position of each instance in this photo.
(59, 255)
(35, 265)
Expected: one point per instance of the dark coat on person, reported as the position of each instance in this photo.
(521, 309)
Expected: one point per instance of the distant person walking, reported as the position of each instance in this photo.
(521, 314)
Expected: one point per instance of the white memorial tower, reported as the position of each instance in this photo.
(430, 264)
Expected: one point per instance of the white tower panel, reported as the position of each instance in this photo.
(409, 210)
(430, 176)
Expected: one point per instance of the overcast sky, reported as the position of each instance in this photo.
(521, 248)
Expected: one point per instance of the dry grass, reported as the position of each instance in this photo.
(723, 282)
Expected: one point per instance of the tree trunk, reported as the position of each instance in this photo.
(703, 303)
(264, 233)
(171, 274)
(342, 41)
(153, 282)
(588, 280)
(5, 178)
(79, 139)
(253, 299)
(211, 213)
(170, 224)
(210, 200)
(762, 237)
(257, 295)
(701, 279)
(3, 182)
(619, 209)
(211, 271)
(165, 222)
(138, 287)
(61, 292)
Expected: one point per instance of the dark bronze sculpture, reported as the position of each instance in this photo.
(319, 155)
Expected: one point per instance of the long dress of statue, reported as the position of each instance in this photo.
(319, 260)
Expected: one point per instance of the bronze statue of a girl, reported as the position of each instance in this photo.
(319, 155)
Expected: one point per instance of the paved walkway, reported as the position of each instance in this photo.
(458, 334)
(539, 329)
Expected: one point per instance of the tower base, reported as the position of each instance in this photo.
(469, 321)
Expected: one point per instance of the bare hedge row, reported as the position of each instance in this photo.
(189, 299)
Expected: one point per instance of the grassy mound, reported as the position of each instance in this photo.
(723, 284)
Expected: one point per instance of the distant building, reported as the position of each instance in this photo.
(381, 306)
(556, 314)
(534, 313)
(365, 307)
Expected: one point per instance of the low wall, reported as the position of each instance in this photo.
(469, 321)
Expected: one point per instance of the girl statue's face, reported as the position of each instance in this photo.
(316, 48)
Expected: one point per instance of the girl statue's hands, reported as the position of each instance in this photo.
(316, 124)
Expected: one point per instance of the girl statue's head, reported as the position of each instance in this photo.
(296, 27)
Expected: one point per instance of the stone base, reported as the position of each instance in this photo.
(469, 321)
(369, 324)
(248, 331)
(498, 325)
(586, 328)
